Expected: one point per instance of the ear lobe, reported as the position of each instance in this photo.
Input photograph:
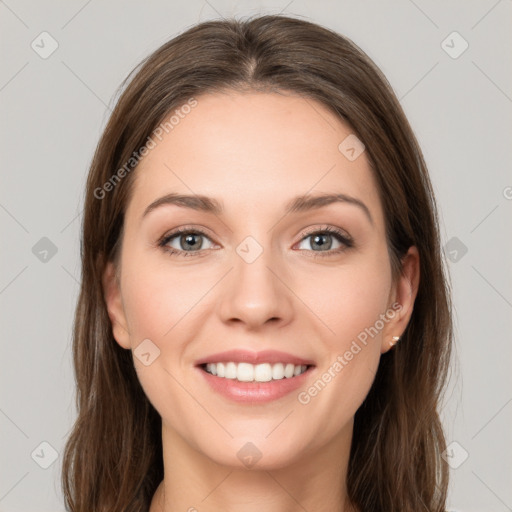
(405, 291)
(115, 308)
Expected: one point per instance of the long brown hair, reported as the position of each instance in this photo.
(113, 458)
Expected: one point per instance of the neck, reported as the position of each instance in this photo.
(194, 482)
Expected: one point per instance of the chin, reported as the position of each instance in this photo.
(256, 453)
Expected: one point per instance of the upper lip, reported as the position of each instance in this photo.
(247, 356)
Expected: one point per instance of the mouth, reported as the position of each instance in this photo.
(251, 377)
(247, 372)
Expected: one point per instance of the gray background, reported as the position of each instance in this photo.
(54, 109)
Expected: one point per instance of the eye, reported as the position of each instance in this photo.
(184, 242)
(188, 241)
(324, 239)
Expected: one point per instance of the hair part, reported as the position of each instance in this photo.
(113, 458)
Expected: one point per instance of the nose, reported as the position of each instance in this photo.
(256, 293)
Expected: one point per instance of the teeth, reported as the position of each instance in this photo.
(278, 371)
(289, 370)
(247, 372)
(230, 371)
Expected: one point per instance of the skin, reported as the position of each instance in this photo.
(254, 152)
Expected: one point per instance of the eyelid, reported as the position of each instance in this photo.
(343, 237)
(193, 227)
(184, 229)
(326, 228)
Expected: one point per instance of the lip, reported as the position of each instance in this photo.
(255, 392)
(246, 356)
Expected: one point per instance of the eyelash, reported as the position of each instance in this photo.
(341, 236)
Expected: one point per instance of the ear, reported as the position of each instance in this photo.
(402, 297)
(115, 308)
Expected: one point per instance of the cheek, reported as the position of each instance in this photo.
(156, 298)
(349, 299)
(159, 306)
(352, 303)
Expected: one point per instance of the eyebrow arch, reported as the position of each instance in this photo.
(303, 203)
(311, 202)
(194, 202)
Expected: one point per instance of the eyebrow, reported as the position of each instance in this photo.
(302, 203)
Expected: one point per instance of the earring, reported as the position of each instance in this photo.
(394, 341)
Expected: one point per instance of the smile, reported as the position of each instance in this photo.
(247, 372)
(245, 376)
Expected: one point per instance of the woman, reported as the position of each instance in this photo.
(264, 320)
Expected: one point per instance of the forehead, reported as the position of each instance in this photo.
(254, 150)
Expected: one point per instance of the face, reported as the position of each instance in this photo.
(312, 282)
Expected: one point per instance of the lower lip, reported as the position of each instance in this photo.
(250, 392)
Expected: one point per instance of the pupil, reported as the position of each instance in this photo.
(189, 239)
(321, 244)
